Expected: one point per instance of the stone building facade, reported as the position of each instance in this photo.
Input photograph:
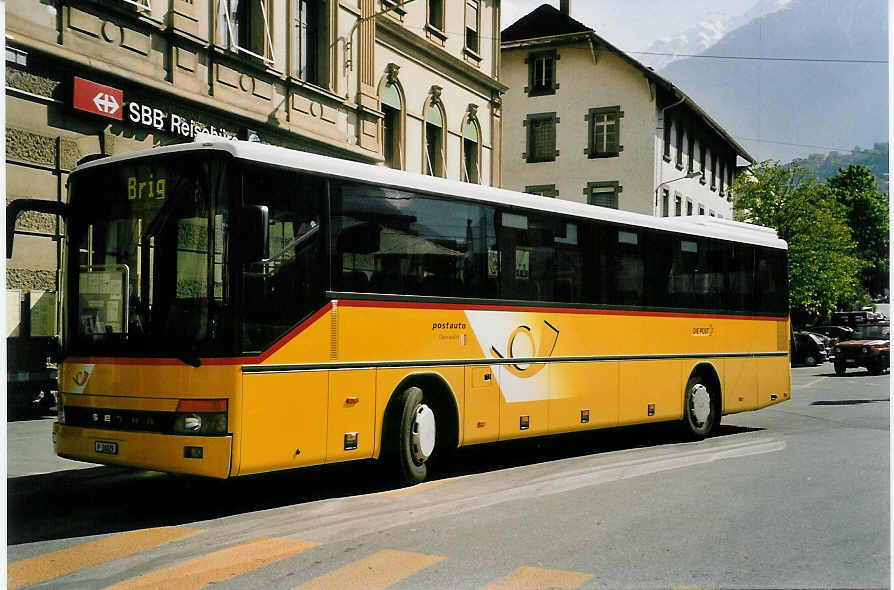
(413, 85)
(588, 123)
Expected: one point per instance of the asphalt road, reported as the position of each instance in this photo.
(793, 496)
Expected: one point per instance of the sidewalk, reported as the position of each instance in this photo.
(29, 449)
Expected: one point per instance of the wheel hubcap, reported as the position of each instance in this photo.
(423, 433)
(700, 404)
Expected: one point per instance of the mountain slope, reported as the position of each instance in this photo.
(781, 109)
(704, 34)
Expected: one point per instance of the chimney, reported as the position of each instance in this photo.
(565, 7)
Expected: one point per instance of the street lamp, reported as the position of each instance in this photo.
(693, 174)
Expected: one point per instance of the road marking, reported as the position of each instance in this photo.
(218, 566)
(808, 384)
(375, 571)
(413, 489)
(533, 578)
(65, 561)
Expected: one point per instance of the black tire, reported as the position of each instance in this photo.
(875, 368)
(810, 360)
(406, 455)
(701, 414)
(840, 369)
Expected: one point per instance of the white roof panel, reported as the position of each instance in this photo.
(705, 226)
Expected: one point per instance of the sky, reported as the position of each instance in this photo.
(633, 25)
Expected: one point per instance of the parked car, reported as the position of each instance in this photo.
(808, 349)
(837, 333)
(870, 347)
(30, 379)
(853, 318)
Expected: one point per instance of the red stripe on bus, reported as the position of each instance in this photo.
(576, 310)
(253, 360)
(214, 361)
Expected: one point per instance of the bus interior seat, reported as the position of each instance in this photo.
(354, 281)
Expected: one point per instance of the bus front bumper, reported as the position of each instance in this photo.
(141, 450)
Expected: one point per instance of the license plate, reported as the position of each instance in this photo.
(106, 448)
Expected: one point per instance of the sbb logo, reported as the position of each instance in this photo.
(146, 115)
(98, 99)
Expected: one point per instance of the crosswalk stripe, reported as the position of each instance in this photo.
(375, 571)
(533, 578)
(65, 561)
(218, 566)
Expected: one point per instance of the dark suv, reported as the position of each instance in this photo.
(808, 349)
(870, 347)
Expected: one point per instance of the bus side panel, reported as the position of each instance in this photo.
(651, 391)
(352, 409)
(774, 372)
(740, 385)
(524, 403)
(387, 381)
(583, 395)
(283, 420)
(775, 380)
(482, 415)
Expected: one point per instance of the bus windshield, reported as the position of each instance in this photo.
(147, 258)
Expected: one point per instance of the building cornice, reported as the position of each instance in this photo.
(396, 34)
(548, 41)
(199, 100)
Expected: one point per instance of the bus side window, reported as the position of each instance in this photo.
(528, 250)
(280, 290)
(567, 269)
(660, 246)
(740, 269)
(626, 267)
(423, 246)
(771, 292)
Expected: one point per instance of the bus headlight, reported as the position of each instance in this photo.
(201, 417)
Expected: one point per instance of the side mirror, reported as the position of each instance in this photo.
(251, 233)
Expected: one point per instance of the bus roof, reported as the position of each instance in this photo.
(701, 225)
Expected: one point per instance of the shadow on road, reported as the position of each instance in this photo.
(104, 500)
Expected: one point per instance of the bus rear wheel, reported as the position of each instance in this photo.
(700, 414)
(412, 435)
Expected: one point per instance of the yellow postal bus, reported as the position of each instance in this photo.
(233, 308)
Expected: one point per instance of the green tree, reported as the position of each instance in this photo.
(866, 208)
(823, 266)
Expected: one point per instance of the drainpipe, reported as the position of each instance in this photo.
(659, 160)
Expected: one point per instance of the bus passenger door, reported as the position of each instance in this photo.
(284, 420)
(352, 407)
(482, 415)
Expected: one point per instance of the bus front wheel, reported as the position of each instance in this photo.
(412, 436)
(700, 413)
